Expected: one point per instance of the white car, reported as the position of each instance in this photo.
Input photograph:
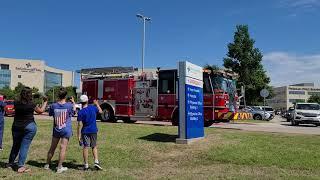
(306, 113)
(78, 108)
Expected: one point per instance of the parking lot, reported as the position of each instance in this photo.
(278, 125)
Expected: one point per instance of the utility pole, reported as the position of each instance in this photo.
(144, 19)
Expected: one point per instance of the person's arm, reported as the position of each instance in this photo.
(73, 105)
(2, 104)
(79, 127)
(43, 107)
(98, 106)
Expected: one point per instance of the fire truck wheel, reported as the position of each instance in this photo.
(208, 123)
(108, 115)
(175, 119)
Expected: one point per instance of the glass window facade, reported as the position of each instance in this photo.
(51, 80)
(297, 92)
(5, 78)
(4, 66)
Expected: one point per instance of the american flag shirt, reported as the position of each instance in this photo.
(60, 118)
(62, 114)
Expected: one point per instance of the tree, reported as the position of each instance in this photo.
(243, 58)
(314, 99)
(14, 94)
(52, 93)
(211, 67)
(9, 93)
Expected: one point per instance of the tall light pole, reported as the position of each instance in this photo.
(144, 19)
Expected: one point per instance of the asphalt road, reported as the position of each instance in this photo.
(278, 125)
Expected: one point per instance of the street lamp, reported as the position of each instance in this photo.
(144, 19)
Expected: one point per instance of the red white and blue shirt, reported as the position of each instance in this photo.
(62, 114)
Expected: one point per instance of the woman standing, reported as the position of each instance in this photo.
(24, 127)
(62, 111)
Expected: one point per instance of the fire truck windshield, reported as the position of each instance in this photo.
(219, 84)
(223, 85)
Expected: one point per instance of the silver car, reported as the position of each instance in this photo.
(257, 113)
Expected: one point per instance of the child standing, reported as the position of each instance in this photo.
(88, 134)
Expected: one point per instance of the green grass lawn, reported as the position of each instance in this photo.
(132, 151)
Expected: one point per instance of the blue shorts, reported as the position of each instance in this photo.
(62, 133)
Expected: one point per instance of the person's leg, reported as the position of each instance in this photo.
(17, 138)
(63, 148)
(1, 131)
(95, 154)
(93, 140)
(86, 144)
(54, 143)
(29, 132)
(85, 157)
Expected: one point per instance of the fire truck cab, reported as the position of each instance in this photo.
(127, 95)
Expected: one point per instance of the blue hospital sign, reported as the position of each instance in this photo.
(190, 102)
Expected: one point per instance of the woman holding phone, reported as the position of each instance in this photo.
(24, 127)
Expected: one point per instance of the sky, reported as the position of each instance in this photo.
(77, 34)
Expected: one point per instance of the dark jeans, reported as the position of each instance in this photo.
(1, 130)
(22, 139)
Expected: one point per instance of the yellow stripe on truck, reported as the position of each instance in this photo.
(242, 116)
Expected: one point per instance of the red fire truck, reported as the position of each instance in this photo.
(126, 95)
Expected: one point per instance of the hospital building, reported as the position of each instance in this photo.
(32, 73)
(285, 96)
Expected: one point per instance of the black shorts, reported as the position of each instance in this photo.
(89, 140)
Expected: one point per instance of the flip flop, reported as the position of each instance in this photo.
(23, 170)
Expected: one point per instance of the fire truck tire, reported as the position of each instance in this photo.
(175, 119)
(107, 114)
(208, 123)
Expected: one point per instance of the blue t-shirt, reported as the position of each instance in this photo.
(88, 116)
(62, 114)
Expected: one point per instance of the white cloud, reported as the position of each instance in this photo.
(285, 68)
(300, 4)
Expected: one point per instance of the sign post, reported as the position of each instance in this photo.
(264, 93)
(191, 121)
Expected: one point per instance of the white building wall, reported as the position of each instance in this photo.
(31, 73)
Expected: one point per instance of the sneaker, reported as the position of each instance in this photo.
(62, 169)
(46, 167)
(97, 166)
(9, 165)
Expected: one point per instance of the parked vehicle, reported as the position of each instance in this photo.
(9, 108)
(267, 109)
(306, 113)
(289, 114)
(78, 108)
(278, 112)
(257, 113)
(125, 94)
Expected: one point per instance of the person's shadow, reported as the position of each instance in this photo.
(3, 164)
(69, 164)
